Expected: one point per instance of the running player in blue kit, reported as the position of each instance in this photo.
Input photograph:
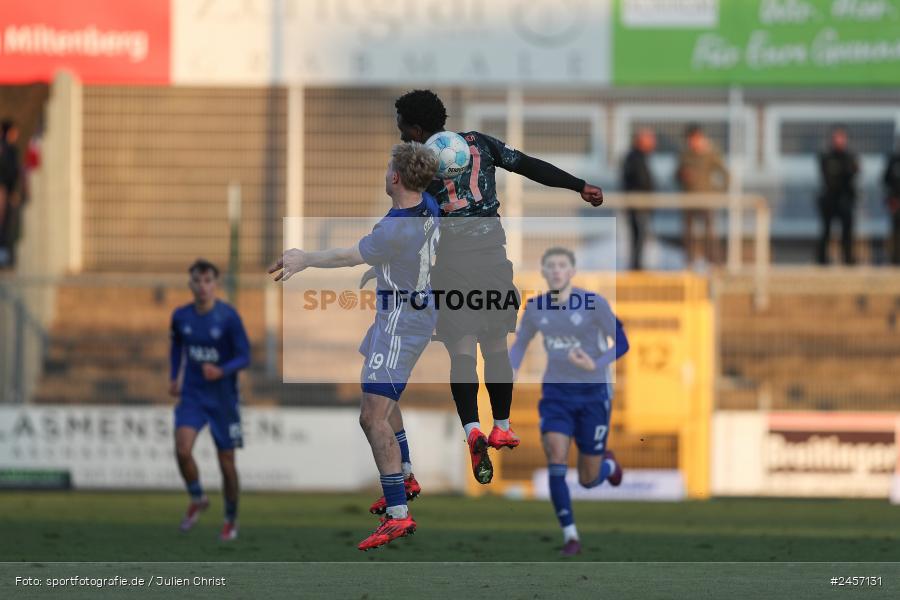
(209, 347)
(577, 326)
(401, 247)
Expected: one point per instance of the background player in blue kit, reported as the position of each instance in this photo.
(209, 347)
(401, 249)
(577, 391)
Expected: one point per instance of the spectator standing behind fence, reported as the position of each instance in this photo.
(838, 167)
(700, 170)
(10, 199)
(892, 198)
(636, 177)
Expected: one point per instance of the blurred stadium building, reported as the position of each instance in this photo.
(765, 376)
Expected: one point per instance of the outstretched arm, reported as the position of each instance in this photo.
(544, 173)
(295, 260)
(541, 171)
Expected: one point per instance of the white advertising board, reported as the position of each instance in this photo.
(637, 484)
(284, 448)
(804, 454)
(390, 42)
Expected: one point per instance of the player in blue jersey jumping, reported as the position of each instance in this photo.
(209, 347)
(401, 247)
(472, 258)
(577, 327)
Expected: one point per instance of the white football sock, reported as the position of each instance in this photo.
(570, 533)
(470, 426)
(407, 469)
(398, 512)
(502, 424)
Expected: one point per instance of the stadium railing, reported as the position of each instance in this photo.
(96, 337)
(826, 342)
(23, 344)
(535, 200)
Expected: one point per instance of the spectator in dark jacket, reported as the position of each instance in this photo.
(636, 177)
(10, 200)
(839, 167)
(892, 198)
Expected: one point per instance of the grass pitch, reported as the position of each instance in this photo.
(81, 526)
(703, 540)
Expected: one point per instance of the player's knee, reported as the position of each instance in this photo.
(465, 345)
(368, 419)
(589, 477)
(462, 369)
(183, 453)
(365, 420)
(226, 463)
(494, 346)
(586, 481)
(497, 368)
(556, 459)
(555, 456)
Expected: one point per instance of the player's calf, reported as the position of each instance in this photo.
(609, 470)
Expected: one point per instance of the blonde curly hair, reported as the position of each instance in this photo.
(416, 165)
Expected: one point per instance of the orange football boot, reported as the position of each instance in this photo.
(389, 529)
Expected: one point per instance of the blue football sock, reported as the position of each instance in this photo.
(230, 510)
(605, 469)
(195, 490)
(559, 494)
(394, 493)
(404, 446)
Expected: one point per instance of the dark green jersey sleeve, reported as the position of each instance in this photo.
(534, 169)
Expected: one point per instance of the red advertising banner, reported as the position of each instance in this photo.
(102, 41)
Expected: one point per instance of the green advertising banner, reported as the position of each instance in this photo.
(756, 42)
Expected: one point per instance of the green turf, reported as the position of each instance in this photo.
(80, 526)
(296, 545)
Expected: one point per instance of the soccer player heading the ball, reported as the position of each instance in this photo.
(400, 247)
(472, 257)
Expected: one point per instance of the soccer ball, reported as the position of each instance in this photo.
(452, 151)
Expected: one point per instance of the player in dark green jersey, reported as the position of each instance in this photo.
(472, 258)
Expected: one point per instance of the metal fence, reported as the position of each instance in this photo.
(23, 345)
(827, 341)
(157, 164)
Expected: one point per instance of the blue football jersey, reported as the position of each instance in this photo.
(216, 337)
(585, 321)
(402, 250)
